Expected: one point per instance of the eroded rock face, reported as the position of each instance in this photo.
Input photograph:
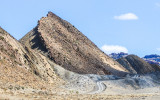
(68, 47)
(14, 67)
(20, 65)
(136, 65)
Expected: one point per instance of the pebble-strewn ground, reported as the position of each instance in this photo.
(79, 97)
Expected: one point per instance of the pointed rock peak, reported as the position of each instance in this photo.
(51, 14)
(68, 47)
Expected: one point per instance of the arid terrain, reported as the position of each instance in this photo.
(55, 61)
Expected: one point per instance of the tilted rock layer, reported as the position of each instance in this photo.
(20, 66)
(68, 47)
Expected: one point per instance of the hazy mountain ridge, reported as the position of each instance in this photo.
(118, 55)
(152, 59)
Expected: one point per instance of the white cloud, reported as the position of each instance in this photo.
(108, 49)
(158, 49)
(157, 4)
(127, 16)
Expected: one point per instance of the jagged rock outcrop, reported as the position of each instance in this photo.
(136, 65)
(62, 43)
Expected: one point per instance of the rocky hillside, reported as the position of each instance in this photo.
(21, 68)
(62, 43)
(136, 65)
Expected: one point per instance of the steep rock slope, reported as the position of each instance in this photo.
(19, 66)
(13, 67)
(60, 41)
(136, 65)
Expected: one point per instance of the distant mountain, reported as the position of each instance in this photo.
(136, 65)
(118, 55)
(152, 59)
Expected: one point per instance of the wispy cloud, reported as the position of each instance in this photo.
(158, 49)
(127, 16)
(157, 4)
(108, 49)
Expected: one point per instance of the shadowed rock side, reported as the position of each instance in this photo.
(124, 62)
(136, 65)
(20, 66)
(156, 67)
(68, 47)
(14, 69)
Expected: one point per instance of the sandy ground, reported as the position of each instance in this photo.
(111, 92)
(90, 87)
(81, 97)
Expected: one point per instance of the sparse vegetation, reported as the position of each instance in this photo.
(10, 87)
(1, 31)
(77, 92)
(1, 38)
(17, 88)
(23, 88)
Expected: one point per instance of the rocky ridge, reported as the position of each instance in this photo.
(62, 43)
(136, 65)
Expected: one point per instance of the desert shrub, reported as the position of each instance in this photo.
(17, 88)
(1, 31)
(1, 38)
(10, 87)
(23, 88)
(77, 92)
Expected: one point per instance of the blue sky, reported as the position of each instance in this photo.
(131, 26)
